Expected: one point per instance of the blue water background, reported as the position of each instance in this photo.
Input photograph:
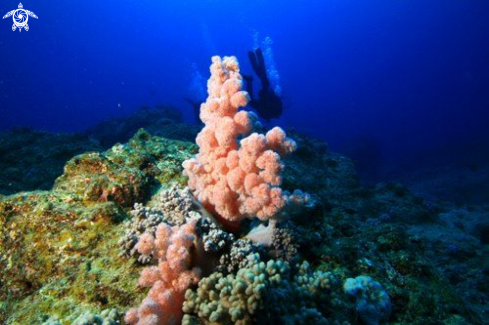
(400, 78)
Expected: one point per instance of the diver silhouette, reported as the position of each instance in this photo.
(268, 105)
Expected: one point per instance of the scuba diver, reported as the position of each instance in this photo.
(269, 104)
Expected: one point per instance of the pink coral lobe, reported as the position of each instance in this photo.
(146, 244)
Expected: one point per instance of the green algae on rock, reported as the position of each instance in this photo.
(59, 252)
(47, 245)
(124, 174)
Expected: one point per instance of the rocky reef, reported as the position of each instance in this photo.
(162, 120)
(69, 253)
(59, 251)
(32, 160)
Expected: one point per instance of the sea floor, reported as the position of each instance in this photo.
(424, 237)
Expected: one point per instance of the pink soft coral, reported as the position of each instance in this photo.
(236, 180)
(170, 279)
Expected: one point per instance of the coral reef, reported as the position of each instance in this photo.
(214, 239)
(236, 258)
(143, 220)
(372, 301)
(70, 254)
(106, 317)
(285, 242)
(59, 251)
(268, 293)
(176, 203)
(172, 205)
(61, 257)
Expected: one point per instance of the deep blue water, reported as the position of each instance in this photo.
(400, 78)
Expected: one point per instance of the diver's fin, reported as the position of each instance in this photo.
(260, 59)
(254, 62)
(258, 64)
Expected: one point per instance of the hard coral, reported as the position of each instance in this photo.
(144, 221)
(373, 302)
(172, 205)
(236, 180)
(261, 292)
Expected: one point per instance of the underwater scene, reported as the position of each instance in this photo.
(244, 162)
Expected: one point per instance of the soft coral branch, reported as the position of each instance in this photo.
(169, 280)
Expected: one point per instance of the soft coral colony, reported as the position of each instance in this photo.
(234, 180)
(201, 268)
